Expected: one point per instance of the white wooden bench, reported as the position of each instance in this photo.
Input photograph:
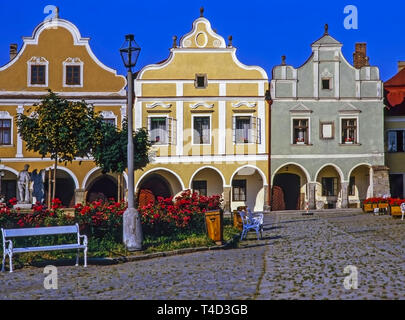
(9, 250)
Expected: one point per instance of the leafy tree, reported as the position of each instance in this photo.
(61, 129)
(111, 147)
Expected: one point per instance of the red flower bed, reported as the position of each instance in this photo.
(186, 212)
(38, 217)
(395, 202)
(376, 200)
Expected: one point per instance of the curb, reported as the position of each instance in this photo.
(110, 261)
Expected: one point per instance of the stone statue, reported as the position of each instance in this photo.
(39, 189)
(24, 179)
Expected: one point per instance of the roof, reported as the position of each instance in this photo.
(327, 40)
(397, 80)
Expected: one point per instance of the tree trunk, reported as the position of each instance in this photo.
(54, 179)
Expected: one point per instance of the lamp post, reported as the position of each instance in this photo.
(132, 228)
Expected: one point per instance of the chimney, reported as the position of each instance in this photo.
(401, 65)
(13, 51)
(360, 55)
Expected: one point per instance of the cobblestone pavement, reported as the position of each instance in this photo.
(300, 257)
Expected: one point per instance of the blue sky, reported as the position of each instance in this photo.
(263, 30)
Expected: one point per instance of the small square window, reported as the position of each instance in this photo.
(326, 84)
(201, 81)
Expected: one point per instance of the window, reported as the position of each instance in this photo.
(300, 131)
(158, 130)
(243, 130)
(396, 141)
(73, 75)
(200, 187)
(5, 132)
(239, 190)
(327, 130)
(352, 186)
(329, 187)
(38, 75)
(200, 81)
(326, 84)
(109, 121)
(202, 130)
(349, 131)
(247, 129)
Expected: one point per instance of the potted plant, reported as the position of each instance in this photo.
(349, 140)
(300, 141)
(395, 206)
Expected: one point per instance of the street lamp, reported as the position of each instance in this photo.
(2, 174)
(132, 227)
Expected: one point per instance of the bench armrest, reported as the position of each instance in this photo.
(85, 240)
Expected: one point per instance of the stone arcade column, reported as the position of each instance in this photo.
(345, 197)
(312, 195)
(227, 199)
(381, 181)
(79, 196)
(266, 204)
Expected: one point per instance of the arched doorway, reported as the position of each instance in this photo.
(103, 187)
(290, 188)
(248, 189)
(157, 183)
(8, 185)
(328, 188)
(359, 184)
(290, 184)
(65, 188)
(207, 182)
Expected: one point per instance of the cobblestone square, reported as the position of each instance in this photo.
(300, 257)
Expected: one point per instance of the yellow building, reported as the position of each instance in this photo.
(208, 121)
(56, 56)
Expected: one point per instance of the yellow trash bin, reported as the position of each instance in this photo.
(214, 224)
(237, 220)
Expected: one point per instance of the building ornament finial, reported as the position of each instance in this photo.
(283, 60)
(326, 29)
(202, 12)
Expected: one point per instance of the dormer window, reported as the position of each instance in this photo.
(201, 81)
(326, 84)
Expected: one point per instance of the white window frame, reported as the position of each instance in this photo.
(110, 115)
(73, 62)
(171, 128)
(256, 129)
(37, 61)
(4, 115)
(200, 115)
(292, 129)
(347, 117)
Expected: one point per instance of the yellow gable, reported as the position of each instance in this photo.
(202, 51)
(58, 43)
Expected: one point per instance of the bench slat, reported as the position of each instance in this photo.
(40, 231)
(49, 248)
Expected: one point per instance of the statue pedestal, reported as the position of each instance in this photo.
(23, 206)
